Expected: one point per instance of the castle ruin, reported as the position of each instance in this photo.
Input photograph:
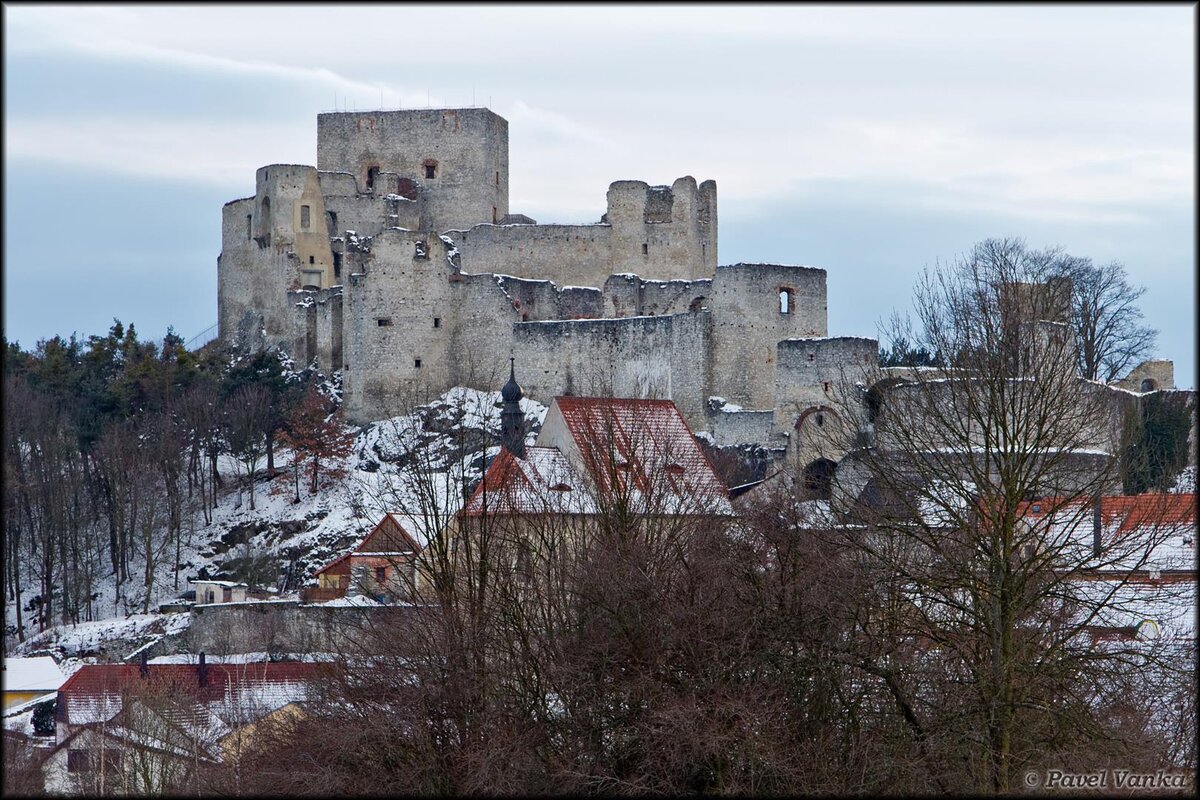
(397, 260)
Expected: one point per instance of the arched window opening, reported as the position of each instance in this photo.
(372, 174)
(874, 403)
(786, 300)
(1149, 385)
(818, 479)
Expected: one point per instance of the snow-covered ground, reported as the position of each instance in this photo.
(415, 464)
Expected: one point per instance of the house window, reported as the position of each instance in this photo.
(380, 574)
(79, 761)
(786, 301)
(305, 217)
(372, 174)
(210, 596)
(437, 322)
(312, 259)
(645, 249)
(226, 594)
(416, 363)
(384, 322)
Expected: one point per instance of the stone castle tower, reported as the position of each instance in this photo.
(397, 261)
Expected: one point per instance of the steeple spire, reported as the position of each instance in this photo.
(512, 420)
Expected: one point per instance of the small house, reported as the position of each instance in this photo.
(211, 592)
(382, 566)
(28, 679)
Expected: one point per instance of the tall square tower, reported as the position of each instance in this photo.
(456, 159)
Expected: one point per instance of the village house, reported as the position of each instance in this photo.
(209, 592)
(1143, 559)
(140, 728)
(382, 566)
(30, 679)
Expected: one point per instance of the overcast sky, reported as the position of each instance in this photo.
(868, 141)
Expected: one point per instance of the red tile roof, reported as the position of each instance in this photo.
(79, 696)
(1129, 512)
(639, 449)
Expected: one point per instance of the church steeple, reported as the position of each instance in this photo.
(512, 420)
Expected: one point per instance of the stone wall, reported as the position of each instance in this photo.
(662, 357)
(657, 232)
(279, 627)
(748, 323)
(398, 315)
(467, 149)
(1149, 376)
(732, 428)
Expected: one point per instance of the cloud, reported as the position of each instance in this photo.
(219, 154)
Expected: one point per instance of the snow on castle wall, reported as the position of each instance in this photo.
(395, 260)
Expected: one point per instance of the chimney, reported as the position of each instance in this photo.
(143, 666)
(202, 670)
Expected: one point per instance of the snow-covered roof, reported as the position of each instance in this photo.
(96, 692)
(39, 674)
(639, 450)
(1137, 532)
(541, 483)
(231, 584)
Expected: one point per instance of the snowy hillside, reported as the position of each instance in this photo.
(278, 545)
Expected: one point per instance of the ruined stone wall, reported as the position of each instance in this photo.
(543, 300)
(748, 323)
(1149, 376)
(662, 357)
(317, 331)
(816, 402)
(467, 149)
(398, 315)
(732, 428)
(627, 295)
(657, 232)
(364, 212)
(569, 255)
